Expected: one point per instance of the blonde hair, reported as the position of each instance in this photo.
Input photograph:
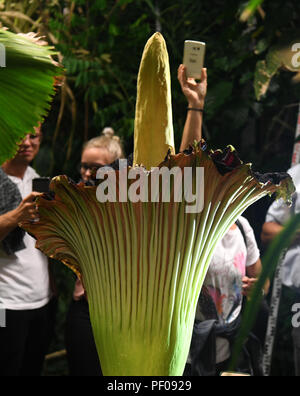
(107, 141)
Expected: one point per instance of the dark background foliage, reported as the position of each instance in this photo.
(101, 43)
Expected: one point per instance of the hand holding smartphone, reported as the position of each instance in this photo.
(41, 185)
(193, 58)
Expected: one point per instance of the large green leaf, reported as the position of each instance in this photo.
(26, 88)
(278, 57)
(250, 9)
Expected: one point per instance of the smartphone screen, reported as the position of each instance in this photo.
(193, 58)
(41, 184)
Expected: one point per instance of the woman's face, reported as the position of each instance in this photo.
(94, 157)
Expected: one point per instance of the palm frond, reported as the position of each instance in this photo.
(26, 88)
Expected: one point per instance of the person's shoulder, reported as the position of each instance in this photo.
(245, 223)
(294, 172)
(294, 169)
(31, 173)
(253, 252)
(4, 179)
(248, 229)
(2, 175)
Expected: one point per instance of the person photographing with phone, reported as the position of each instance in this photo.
(236, 263)
(195, 93)
(24, 277)
(25, 211)
(193, 81)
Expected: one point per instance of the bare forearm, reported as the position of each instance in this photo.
(253, 273)
(192, 129)
(8, 222)
(270, 231)
(24, 212)
(195, 94)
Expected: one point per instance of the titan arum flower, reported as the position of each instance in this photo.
(143, 263)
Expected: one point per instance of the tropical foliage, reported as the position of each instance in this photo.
(252, 99)
(101, 43)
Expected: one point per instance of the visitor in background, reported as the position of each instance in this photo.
(24, 274)
(287, 345)
(232, 273)
(195, 94)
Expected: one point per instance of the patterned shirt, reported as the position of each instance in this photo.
(10, 199)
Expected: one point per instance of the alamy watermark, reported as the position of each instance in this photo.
(153, 186)
(296, 57)
(296, 317)
(2, 316)
(2, 56)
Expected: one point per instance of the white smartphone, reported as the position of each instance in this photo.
(193, 58)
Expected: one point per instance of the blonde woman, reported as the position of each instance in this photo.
(100, 151)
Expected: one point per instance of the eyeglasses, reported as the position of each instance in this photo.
(83, 166)
(92, 167)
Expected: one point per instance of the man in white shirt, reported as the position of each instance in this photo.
(24, 277)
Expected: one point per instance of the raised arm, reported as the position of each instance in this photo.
(195, 94)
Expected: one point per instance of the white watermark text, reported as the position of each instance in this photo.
(296, 317)
(158, 185)
(296, 57)
(2, 56)
(2, 316)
